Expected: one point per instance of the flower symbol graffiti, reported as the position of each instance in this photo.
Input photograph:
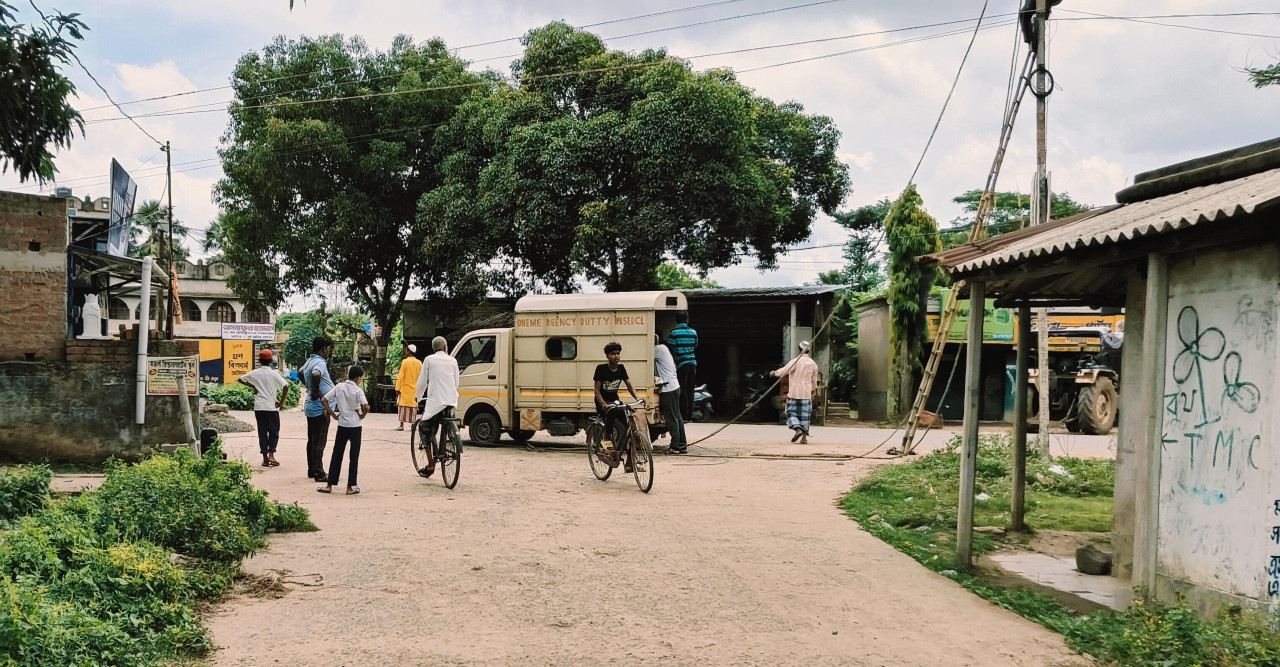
(1197, 346)
(1244, 394)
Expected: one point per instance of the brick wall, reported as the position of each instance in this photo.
(33, 276)
(101, 350)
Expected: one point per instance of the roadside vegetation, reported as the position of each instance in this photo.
(240, 397)
(114, 576)
(913, 506)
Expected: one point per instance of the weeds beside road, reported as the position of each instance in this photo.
(913, 507)
(113, 577)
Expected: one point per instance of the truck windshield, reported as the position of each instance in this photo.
(478, 350)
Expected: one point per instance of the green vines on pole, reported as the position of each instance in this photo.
(911, 232)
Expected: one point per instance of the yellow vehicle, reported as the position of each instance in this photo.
(538, 375)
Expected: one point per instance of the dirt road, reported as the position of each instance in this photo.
(530, 560)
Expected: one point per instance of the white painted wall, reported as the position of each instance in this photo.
(1220, 473)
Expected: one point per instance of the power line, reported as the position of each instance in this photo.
(221, 106)
(1091, 16)
(964, 59)
(92, 77)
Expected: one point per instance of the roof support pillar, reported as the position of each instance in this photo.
(1151, 394)
(1018, 505)
(972, 403)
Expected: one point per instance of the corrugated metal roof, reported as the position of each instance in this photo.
(728, 293)
(1160, 215)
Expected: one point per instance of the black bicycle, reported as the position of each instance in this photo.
(446, 450)
(629, 441)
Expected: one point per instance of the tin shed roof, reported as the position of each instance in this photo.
(781, 293)
(1207, 204)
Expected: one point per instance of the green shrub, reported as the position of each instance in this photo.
(1156, 634)
(23, 490)
(239, 397)
(93, 580)
(199, 507)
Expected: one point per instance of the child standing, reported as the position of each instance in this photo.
(347, 404)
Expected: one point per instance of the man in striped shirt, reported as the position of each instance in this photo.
(802, 375)
(684, 341)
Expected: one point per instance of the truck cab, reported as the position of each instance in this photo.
(538, 375)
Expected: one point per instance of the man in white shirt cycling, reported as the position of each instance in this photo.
(437, 389)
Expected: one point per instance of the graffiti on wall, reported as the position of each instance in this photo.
(1219, 367)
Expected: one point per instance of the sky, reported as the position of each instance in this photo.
(1130, 95)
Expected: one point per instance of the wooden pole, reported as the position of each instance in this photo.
(1042, 206)
(972, 403)
(1017, 510)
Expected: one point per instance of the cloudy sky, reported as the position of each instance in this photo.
(1130, 95)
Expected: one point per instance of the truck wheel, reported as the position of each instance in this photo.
(1097, 407)
(484, 429)
(521, 436)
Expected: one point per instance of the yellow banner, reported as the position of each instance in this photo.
(237, 359)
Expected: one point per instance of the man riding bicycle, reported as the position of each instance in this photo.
(437, 390)
(609, 378)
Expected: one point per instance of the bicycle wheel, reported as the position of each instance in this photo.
(642, 459)
(449, 454)
(418, 443)
(599, 468)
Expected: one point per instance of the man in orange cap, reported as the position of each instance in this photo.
(270, 388)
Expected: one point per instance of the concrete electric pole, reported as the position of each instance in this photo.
(1042, 199)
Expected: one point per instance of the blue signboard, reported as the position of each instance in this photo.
(123, 192)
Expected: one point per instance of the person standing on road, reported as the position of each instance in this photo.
(270, 389)
(684, 343)
(664, 366)
(407, 386)
(436, 390)
(316, 383)
(346, 403)
(801, 374)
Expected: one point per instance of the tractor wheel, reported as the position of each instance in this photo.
(1096, 407)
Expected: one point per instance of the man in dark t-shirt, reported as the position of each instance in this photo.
(609, 378)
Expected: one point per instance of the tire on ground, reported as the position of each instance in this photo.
(483, 428)
(521, 436)
(1097, 407)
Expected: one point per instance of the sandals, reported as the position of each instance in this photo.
(324, 489)
(353, 490)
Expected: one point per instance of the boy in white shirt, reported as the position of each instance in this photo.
(347, 404)
(271, 389)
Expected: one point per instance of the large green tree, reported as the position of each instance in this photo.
(1009, 211)
(34, 94)
(330, 147)
(604, 164)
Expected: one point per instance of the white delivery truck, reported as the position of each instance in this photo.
(538, 375)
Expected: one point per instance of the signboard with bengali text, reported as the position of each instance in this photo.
(248, 331)
(163, 374)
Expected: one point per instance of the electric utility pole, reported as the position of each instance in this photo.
(168, 176)
(1042, 212)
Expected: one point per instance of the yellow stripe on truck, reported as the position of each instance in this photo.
(486, 394)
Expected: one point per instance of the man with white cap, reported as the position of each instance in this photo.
(437, 389)
(802, 375)
(407, 385)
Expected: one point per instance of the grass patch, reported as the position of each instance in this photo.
(112, 577)
(913, 507)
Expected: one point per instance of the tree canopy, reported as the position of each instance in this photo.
(1265, 76)
(33, 92)
(1009, 211)
(329, 149)
(911, 232)
(151, 223)
(603, 164)
(671, 276)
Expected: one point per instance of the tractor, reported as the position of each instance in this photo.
(1084, 379)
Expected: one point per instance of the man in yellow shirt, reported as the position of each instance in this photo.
(406, 385)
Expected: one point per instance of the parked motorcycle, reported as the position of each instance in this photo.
(701, 403)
